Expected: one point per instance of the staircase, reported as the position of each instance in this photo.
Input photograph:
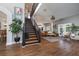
(30, 33)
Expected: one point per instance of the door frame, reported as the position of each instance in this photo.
(9, 40)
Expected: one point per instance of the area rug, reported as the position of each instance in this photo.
(51, 39)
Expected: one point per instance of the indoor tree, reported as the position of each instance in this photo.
(15, 28)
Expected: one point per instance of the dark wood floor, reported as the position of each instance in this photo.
(45, 48)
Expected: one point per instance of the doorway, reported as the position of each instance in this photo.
(3, 28)
(61, 29)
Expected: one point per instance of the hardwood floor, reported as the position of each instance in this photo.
(45, 48)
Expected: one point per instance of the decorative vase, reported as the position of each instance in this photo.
(17, 39)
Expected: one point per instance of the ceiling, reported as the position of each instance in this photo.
(58, 10)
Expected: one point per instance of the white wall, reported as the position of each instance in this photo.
(8, 8)
(40, 20)
(73, 19)
(60, 11)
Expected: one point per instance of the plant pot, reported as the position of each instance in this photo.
(17, 39)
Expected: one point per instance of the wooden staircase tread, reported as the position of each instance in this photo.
(32, 42)
(32, 35)
(33, 38)
(31, 32)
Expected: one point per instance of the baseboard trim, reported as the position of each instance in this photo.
(9, 43)
(20, 42)
(13, 43)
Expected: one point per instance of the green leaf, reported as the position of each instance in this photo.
(15, 27)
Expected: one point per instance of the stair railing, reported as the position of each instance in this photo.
(37, 29)
(25, 35)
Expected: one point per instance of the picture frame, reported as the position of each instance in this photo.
(18, 11)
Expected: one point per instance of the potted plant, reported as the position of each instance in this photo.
(74, 29)
(15, 28)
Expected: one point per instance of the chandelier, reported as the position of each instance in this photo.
(52, 18)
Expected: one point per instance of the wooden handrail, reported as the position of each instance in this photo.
(37, 30)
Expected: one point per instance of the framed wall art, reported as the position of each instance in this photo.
(18, 12)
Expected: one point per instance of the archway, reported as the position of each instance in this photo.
(9, 21)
